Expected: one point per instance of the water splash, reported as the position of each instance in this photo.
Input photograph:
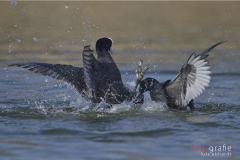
(35, 39)
(132, 84)
(13, 2)
(151, 106)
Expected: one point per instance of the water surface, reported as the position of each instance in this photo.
(43, 118)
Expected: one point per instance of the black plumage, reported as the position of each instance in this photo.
(99, 79)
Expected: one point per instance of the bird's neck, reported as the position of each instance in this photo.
(105, 57)
(107, 61)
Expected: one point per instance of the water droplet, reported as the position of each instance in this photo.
(35, 39)
(66, 7)
(60, 45)
(23, 10)
(19, 40)
(15, 25)
(13, 2)
(9, 45)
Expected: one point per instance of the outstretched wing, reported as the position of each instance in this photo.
(194, 76)
(67, 73)
(93, 74)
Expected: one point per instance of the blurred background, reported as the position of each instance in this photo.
(163, 34)
(41, 118)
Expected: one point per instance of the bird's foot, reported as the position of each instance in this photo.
(139, 71)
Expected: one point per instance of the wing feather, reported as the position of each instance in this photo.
(93, 72)
(71, 75)
(194, 76)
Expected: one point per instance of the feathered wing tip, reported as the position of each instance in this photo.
(67, 73)
(204, 54)
(86, 48)
(90, 66)
(210, 48)
(52, 70)
(87, 65)
(87, 57)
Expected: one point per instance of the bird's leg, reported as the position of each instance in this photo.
(191, 105)
(139, 74)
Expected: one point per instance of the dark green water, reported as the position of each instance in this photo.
(41, 118)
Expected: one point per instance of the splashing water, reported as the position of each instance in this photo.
(13, 2)
(35, 39)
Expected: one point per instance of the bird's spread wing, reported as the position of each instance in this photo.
(67, 73)
(194, 76)
(88, 59)
(92, 73)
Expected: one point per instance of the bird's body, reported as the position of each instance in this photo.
(102, 75)
(179, 92)
(99, 79)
